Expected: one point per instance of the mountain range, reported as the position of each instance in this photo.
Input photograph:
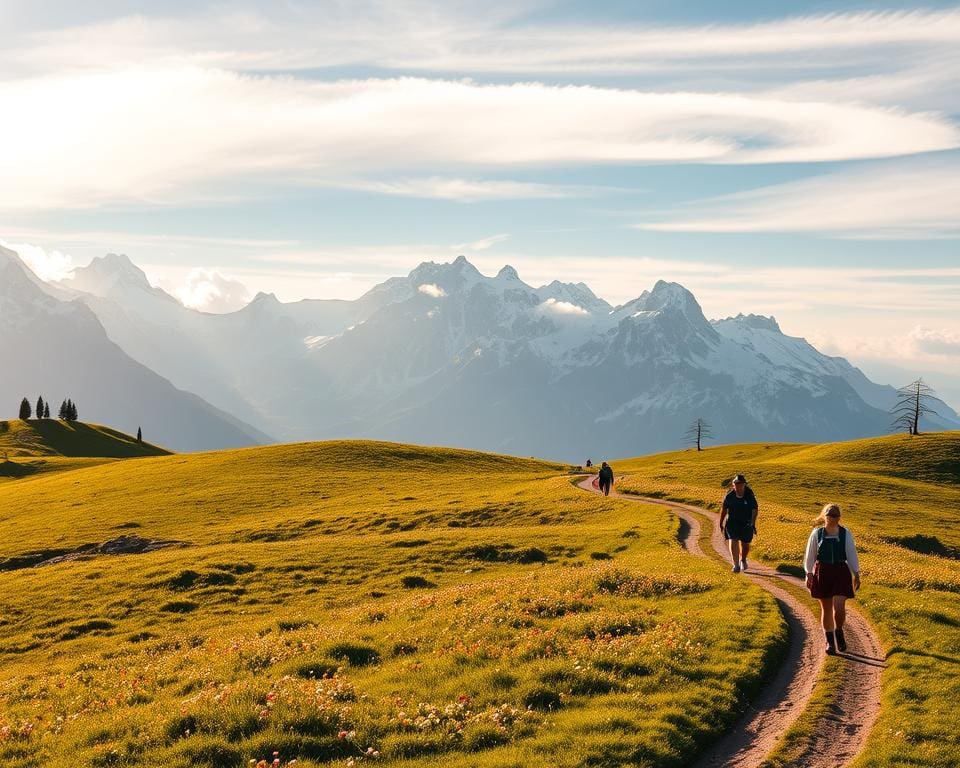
(55, 346)
(449, 356)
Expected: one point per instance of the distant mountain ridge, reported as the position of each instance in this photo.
(58, 348)
(447, 355)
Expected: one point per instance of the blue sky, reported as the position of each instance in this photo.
(794, 159)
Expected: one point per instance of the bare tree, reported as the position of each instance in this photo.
(698, 432)
(913, 401)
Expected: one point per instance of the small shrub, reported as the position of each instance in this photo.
(416, 582)
(94, 625)
(532, 555)
(403, 649)
(542, 699)
(355, 654)
(183, 580)
(600, 556)
(179, 606)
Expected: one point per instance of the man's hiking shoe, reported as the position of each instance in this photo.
(743, 565)
(831, 649)
(841, 640)
(736, 569)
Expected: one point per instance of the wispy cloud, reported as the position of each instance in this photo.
(156, 135)
(906, 200)
(481, 245)
(469, 190)
(457, 37)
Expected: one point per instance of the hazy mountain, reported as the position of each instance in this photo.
(59, 349)
(448, 355)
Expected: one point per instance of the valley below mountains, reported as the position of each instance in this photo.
(445, 356)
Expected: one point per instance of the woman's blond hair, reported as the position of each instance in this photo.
(827, 508)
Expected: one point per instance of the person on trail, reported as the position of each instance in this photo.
(833, 573)
(738, 521)
(589, 463)
(606, 478)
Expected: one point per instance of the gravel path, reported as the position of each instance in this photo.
(841, 733)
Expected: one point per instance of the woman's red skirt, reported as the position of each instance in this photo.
(831, 579)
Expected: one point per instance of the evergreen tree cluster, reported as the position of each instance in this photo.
(68, 410)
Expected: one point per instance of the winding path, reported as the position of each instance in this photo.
(840, 733)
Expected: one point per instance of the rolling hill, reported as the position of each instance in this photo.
(325, 601)
(317, 601)
(52, 437)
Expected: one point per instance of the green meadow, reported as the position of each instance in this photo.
(348, 603)
(900, 495)
(356, 602)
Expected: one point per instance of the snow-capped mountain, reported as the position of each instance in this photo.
(59, 349)
(448, 355)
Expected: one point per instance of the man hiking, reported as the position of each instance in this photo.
(606, 478)
(738, 520)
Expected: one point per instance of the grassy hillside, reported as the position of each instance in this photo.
(52, 437)
(42, 446)
(324, 602)
(900, 496)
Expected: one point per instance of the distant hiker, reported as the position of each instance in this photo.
(589, 463)
(833, 573)
(738, 521)
(606, 478)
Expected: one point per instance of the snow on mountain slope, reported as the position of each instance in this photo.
(449, 355)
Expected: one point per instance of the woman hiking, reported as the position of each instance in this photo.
(738, 521)
(833, 573)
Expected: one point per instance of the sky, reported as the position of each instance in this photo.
(800, 160)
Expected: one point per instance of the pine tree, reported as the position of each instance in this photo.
(63, 411)
(73, 413)
(68, 416)
(25, 410)
(40, 407)
(139, 435)
(46, 410)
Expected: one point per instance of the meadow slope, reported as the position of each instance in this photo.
(900, 496)
(50, 445)
(347, 601)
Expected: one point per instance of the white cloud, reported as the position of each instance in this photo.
(186, 133)
(481, 245)
(430, 289)
(459, 37)
(554, 307)
(915, 199)
(936, 341)
(47, 265)
(469, 190)
(210, 291)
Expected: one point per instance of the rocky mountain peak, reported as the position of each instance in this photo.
(105, 273)
(508, 273)
(759, 322)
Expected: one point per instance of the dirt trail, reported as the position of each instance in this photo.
(841, 733)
